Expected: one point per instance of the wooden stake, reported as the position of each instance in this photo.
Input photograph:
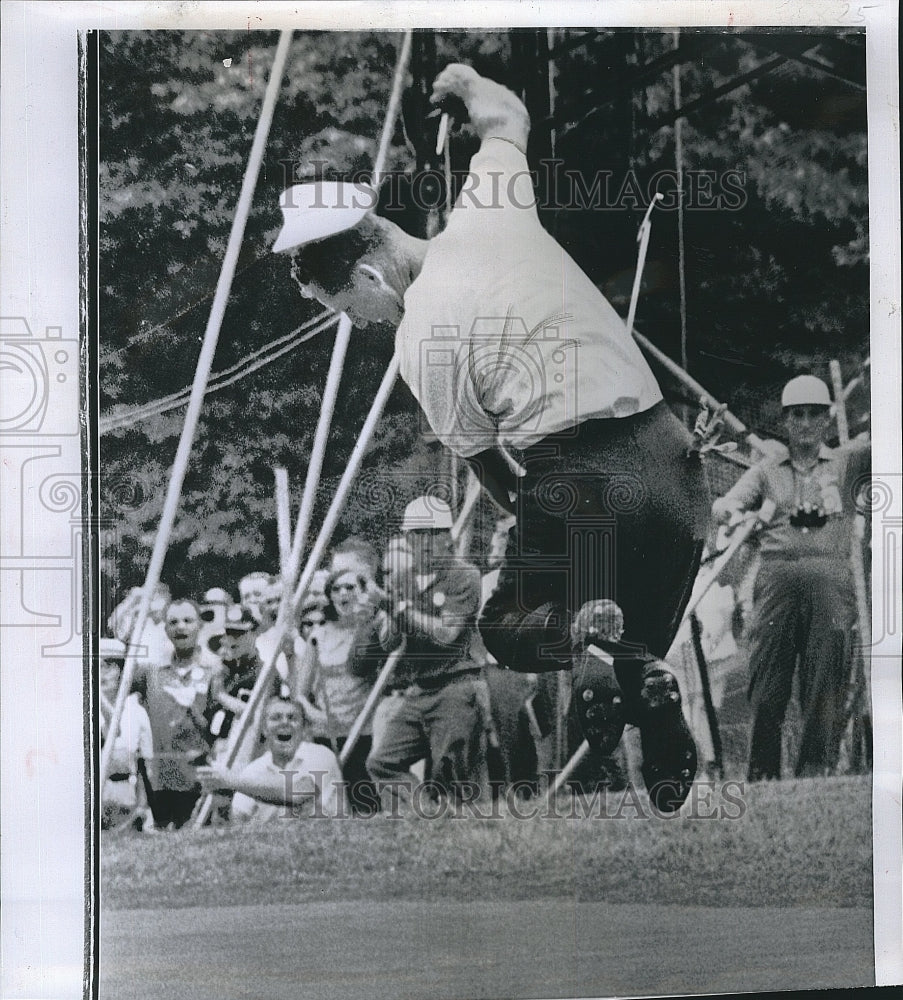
(385, 675)
(283, 521)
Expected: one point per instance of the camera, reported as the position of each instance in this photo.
(32, 365)
(808, 516)
(496, 377)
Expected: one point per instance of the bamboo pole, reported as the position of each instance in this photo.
(331, 519)
(734, 423)
(369, 707)
(643, 240)
(283, 521)
(401, 67)
(198, 388)
(568, 769)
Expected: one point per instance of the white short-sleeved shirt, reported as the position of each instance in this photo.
(505, 339)
(316, 785)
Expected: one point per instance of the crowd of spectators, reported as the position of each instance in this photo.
(448, 713)
(200, 658)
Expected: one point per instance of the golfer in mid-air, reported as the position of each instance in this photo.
(511, 350)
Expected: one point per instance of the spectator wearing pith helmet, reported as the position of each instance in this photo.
(434, 606)
(803, 608)
(214, 605)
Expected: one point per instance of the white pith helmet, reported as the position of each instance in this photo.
(805, 390)
(427, 514)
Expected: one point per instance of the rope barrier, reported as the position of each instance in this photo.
(202, 374)
(221, 380)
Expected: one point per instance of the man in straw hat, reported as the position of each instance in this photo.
(508, 346)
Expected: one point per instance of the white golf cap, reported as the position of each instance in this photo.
(322, 208)
(427, 514)
(805, 390)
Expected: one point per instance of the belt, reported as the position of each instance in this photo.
(589, 432)
(440, 680)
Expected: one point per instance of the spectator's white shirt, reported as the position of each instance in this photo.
(504, 338)
(316, 785)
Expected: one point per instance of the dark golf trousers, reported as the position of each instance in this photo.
(803, 609)
(612, 509)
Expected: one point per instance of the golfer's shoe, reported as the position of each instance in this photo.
(669, 751)
(597, 700)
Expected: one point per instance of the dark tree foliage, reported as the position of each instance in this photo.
(776, 272)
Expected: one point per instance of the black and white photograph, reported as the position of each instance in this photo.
(481, 504)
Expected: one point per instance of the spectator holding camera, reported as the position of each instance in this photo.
(803, 600)
(441, 712)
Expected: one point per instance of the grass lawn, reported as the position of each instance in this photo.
(790, 843)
